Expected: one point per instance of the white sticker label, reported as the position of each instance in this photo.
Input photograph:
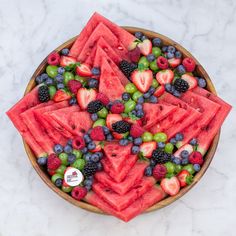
(73, 177)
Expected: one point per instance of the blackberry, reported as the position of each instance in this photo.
(160, 156)
(90, 169)
(181, 85)
(121, 126)
(94, 106)
(43, 94)
(127, 68)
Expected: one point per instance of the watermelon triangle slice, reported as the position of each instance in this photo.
(124, 37)
(207, 134)
(110, 84)
(132, 179)
(119, 176)
(155, 113)
(120, 202)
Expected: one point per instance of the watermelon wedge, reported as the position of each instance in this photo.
(125, 38)
(120, 202)
(102, 43)
(132, 179)
(156, 112)
(110, 84)
(207, 134)
(119, 176)
(208, 110)
(154, 195)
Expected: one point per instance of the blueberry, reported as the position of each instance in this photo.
(94, 116)
(171, 49)
(156, 42)
(84, 150)
(100, 154)
(69, 142)
(44, 77)
(60, 86)
(71, 158)
(65, 51)
(180, 69)
(140, 113)
(138, 35)
(61, 70)
(184, 161)
(96, 71)
(106, 130)
(138, 141)
(193, 142)
(88, 182)
(72, 101)
(88, 187)
(196, 167)
(168, 87)
(161, 144)
(42, 161)
(177, 161)
(178, 54)
(202, 83)
(59, 78)
(150, 57)
(164, 49)
(134, 112)
(179, 137)
(87, 139)
(91, 146)
(99, 166)
(151, 90)
(170, 55)
(176, 93)
(135, 149)
(146, 95)
(124, 142)
(152, 163)
(143, 37)
(148, 171)
(109, 105)
(89, 131)
(95, 157)
(130, 138)
(93, 83)
(153, 99)
(68, 149)
(138, 107)
(173, 141)
(141, 100)
(125, 96)
(184, 154)
(59, 182)
(88, 156)
(109, 137)
(58, 148)
(38, 79)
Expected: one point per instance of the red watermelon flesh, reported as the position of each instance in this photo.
(54, 134)
(206, 135)
(100, 56)
(154, 195)
(110, 84)
(124, 37)
(119, 176)
(208, 110)
(156, 112)
(102, 43)
(120, 202)
(132, 179)
(112, 40)
(117, 154)
(169, 121)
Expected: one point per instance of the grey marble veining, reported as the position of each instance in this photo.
(29, 30)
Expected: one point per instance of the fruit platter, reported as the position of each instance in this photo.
(120, 120)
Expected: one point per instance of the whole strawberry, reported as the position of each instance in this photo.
(79, 192)
(74, 86)
(97, 134)
(53, 162)
(159, 171)
(196, 158)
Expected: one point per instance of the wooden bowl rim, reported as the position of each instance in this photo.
(165, 202)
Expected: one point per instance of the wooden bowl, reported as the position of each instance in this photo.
(208, 158)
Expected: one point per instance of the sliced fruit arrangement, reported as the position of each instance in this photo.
(120, 121)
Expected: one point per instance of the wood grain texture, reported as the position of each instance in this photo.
(208, 158)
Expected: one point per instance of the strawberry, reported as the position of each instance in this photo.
(67, 60)
(142, 79)
(78, 192)
(118, 136)
(117, 107)
(97, 134)
(53, 162)
(145, 47)
(170, 186)
(78, 143)
(103, 98)
(53, 59)
(147, 148)
(189, 64)
(111, 119)
(131, 121)
(74, 86)
(196, 158)
(162, 62)
(185, 178)
(159, 171)
(61, 95)
(85, 96)
(165, 76)
(83, 69)
(159, 91)
(192, 81)
(136, 131)
(134, 54)
(174, 62)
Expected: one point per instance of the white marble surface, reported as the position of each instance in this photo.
(29, 30)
